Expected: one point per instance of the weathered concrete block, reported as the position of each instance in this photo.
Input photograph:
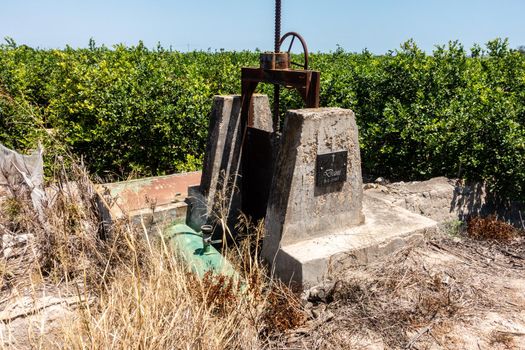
(153, 202)
(219, 187)
(223, 140)
(298, 209)
(260, 116)
(439, 198)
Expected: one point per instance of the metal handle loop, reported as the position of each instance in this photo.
(303, 43)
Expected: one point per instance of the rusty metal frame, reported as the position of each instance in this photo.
(306, 82)
(261, 145)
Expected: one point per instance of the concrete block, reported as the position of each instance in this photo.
(260, 116)
(219, 187)
(223, 142)
(153, 201)
(440, 198)
(298, 209)
(387, 229)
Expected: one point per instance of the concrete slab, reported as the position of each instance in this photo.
(386, 228)
(440, 198)
(154, 199)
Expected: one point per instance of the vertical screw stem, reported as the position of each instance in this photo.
(277, 25)
(276, 87)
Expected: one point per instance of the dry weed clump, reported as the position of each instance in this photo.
(163, 306)
(69, 241)
(396, 302)
(503, 339)
(133, 290)
(283, 310)
(219, 293)
(490, 228)
(393, 303)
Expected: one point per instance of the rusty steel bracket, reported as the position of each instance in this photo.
(306, 82)
(275, 68)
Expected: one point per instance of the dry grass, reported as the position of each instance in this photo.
(160, 305)
(67, 244)
(502, 339)
(395, 303)
(401, 300)
(490, 228)
(133, 291)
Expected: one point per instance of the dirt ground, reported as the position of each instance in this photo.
(450, 292)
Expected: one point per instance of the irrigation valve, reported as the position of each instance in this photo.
(207, 232)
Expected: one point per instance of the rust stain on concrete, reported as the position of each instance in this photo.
(152, 192)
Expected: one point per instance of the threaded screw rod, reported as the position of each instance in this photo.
(276, 87)
(277, 25)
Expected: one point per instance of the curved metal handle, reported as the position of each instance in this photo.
(303, 43)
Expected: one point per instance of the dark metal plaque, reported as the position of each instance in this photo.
(331, 168)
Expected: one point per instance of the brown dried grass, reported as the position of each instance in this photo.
(490, 228)
(400, 300)
(503, 340)
(145, 297)
(66, 245)
(284, 310)
(163, 306)
(395, 303)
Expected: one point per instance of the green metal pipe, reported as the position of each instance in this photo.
(199, 256)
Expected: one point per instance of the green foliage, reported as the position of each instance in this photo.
(136, 110)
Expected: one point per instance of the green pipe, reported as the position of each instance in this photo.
(200, 257)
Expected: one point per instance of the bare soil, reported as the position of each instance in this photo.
(454, 291)
(451, 292)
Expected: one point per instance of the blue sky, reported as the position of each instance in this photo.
(378, 25)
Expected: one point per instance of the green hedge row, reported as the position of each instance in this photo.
(136, 110)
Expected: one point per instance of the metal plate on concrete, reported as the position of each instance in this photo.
(257, 172)
(331, 168)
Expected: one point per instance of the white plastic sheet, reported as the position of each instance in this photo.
(24, 170)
